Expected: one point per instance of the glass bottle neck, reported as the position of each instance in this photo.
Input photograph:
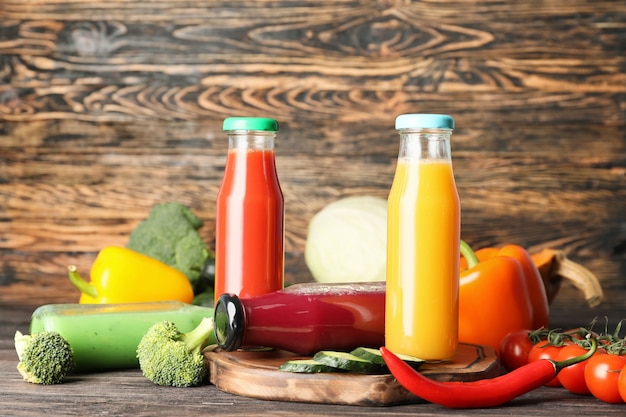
(252, 140)
(425, 144)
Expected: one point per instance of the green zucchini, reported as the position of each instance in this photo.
(362, 360)
(374, 356)
(370, 354)
(348, 362)
(306, 366)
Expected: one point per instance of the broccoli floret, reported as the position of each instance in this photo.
(170, 234)
(169, 357)
(44, 358)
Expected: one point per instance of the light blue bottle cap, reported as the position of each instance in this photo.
(426, 121)
(250, 123)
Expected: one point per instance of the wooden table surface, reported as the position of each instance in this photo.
(128, 393)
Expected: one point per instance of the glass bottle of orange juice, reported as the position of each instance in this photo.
(423, 237)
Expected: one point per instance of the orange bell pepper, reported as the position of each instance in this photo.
(534, 281)
(499, 293)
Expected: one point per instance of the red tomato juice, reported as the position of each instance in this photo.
(249, 226)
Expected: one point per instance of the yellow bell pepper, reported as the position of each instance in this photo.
(121, 275)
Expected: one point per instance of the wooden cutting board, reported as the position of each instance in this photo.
(255, 374)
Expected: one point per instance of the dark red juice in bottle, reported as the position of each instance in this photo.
(304, 318)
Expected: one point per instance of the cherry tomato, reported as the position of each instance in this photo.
(514, 349)
(601, 375)
(573, 377)
(542, 350)
(621, 383)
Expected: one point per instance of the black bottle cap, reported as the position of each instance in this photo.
(228, 322)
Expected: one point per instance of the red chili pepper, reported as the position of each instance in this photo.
(483, 393)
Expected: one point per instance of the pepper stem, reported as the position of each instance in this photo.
(577, 359)
(78, 281)
(469, 255)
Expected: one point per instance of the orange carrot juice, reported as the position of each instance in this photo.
(423, 259)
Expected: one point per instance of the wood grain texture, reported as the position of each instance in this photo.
(107, 108)
(256, 375)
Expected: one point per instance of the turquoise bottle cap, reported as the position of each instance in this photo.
(423, 120)
(250, 123)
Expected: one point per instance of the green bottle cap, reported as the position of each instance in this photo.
(433, 121)
(250, 123)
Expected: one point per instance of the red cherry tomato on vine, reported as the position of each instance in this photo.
(621, 383)
(514, 349)
(573, 377)
(542, 350)
(602, 374)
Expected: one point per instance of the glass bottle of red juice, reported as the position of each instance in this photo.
(304, 318)
(249, 235)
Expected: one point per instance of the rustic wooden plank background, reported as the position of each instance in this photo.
(107, 108)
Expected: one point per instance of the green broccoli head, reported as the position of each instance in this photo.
(44, 358)
(169, 357)
(170, 234)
